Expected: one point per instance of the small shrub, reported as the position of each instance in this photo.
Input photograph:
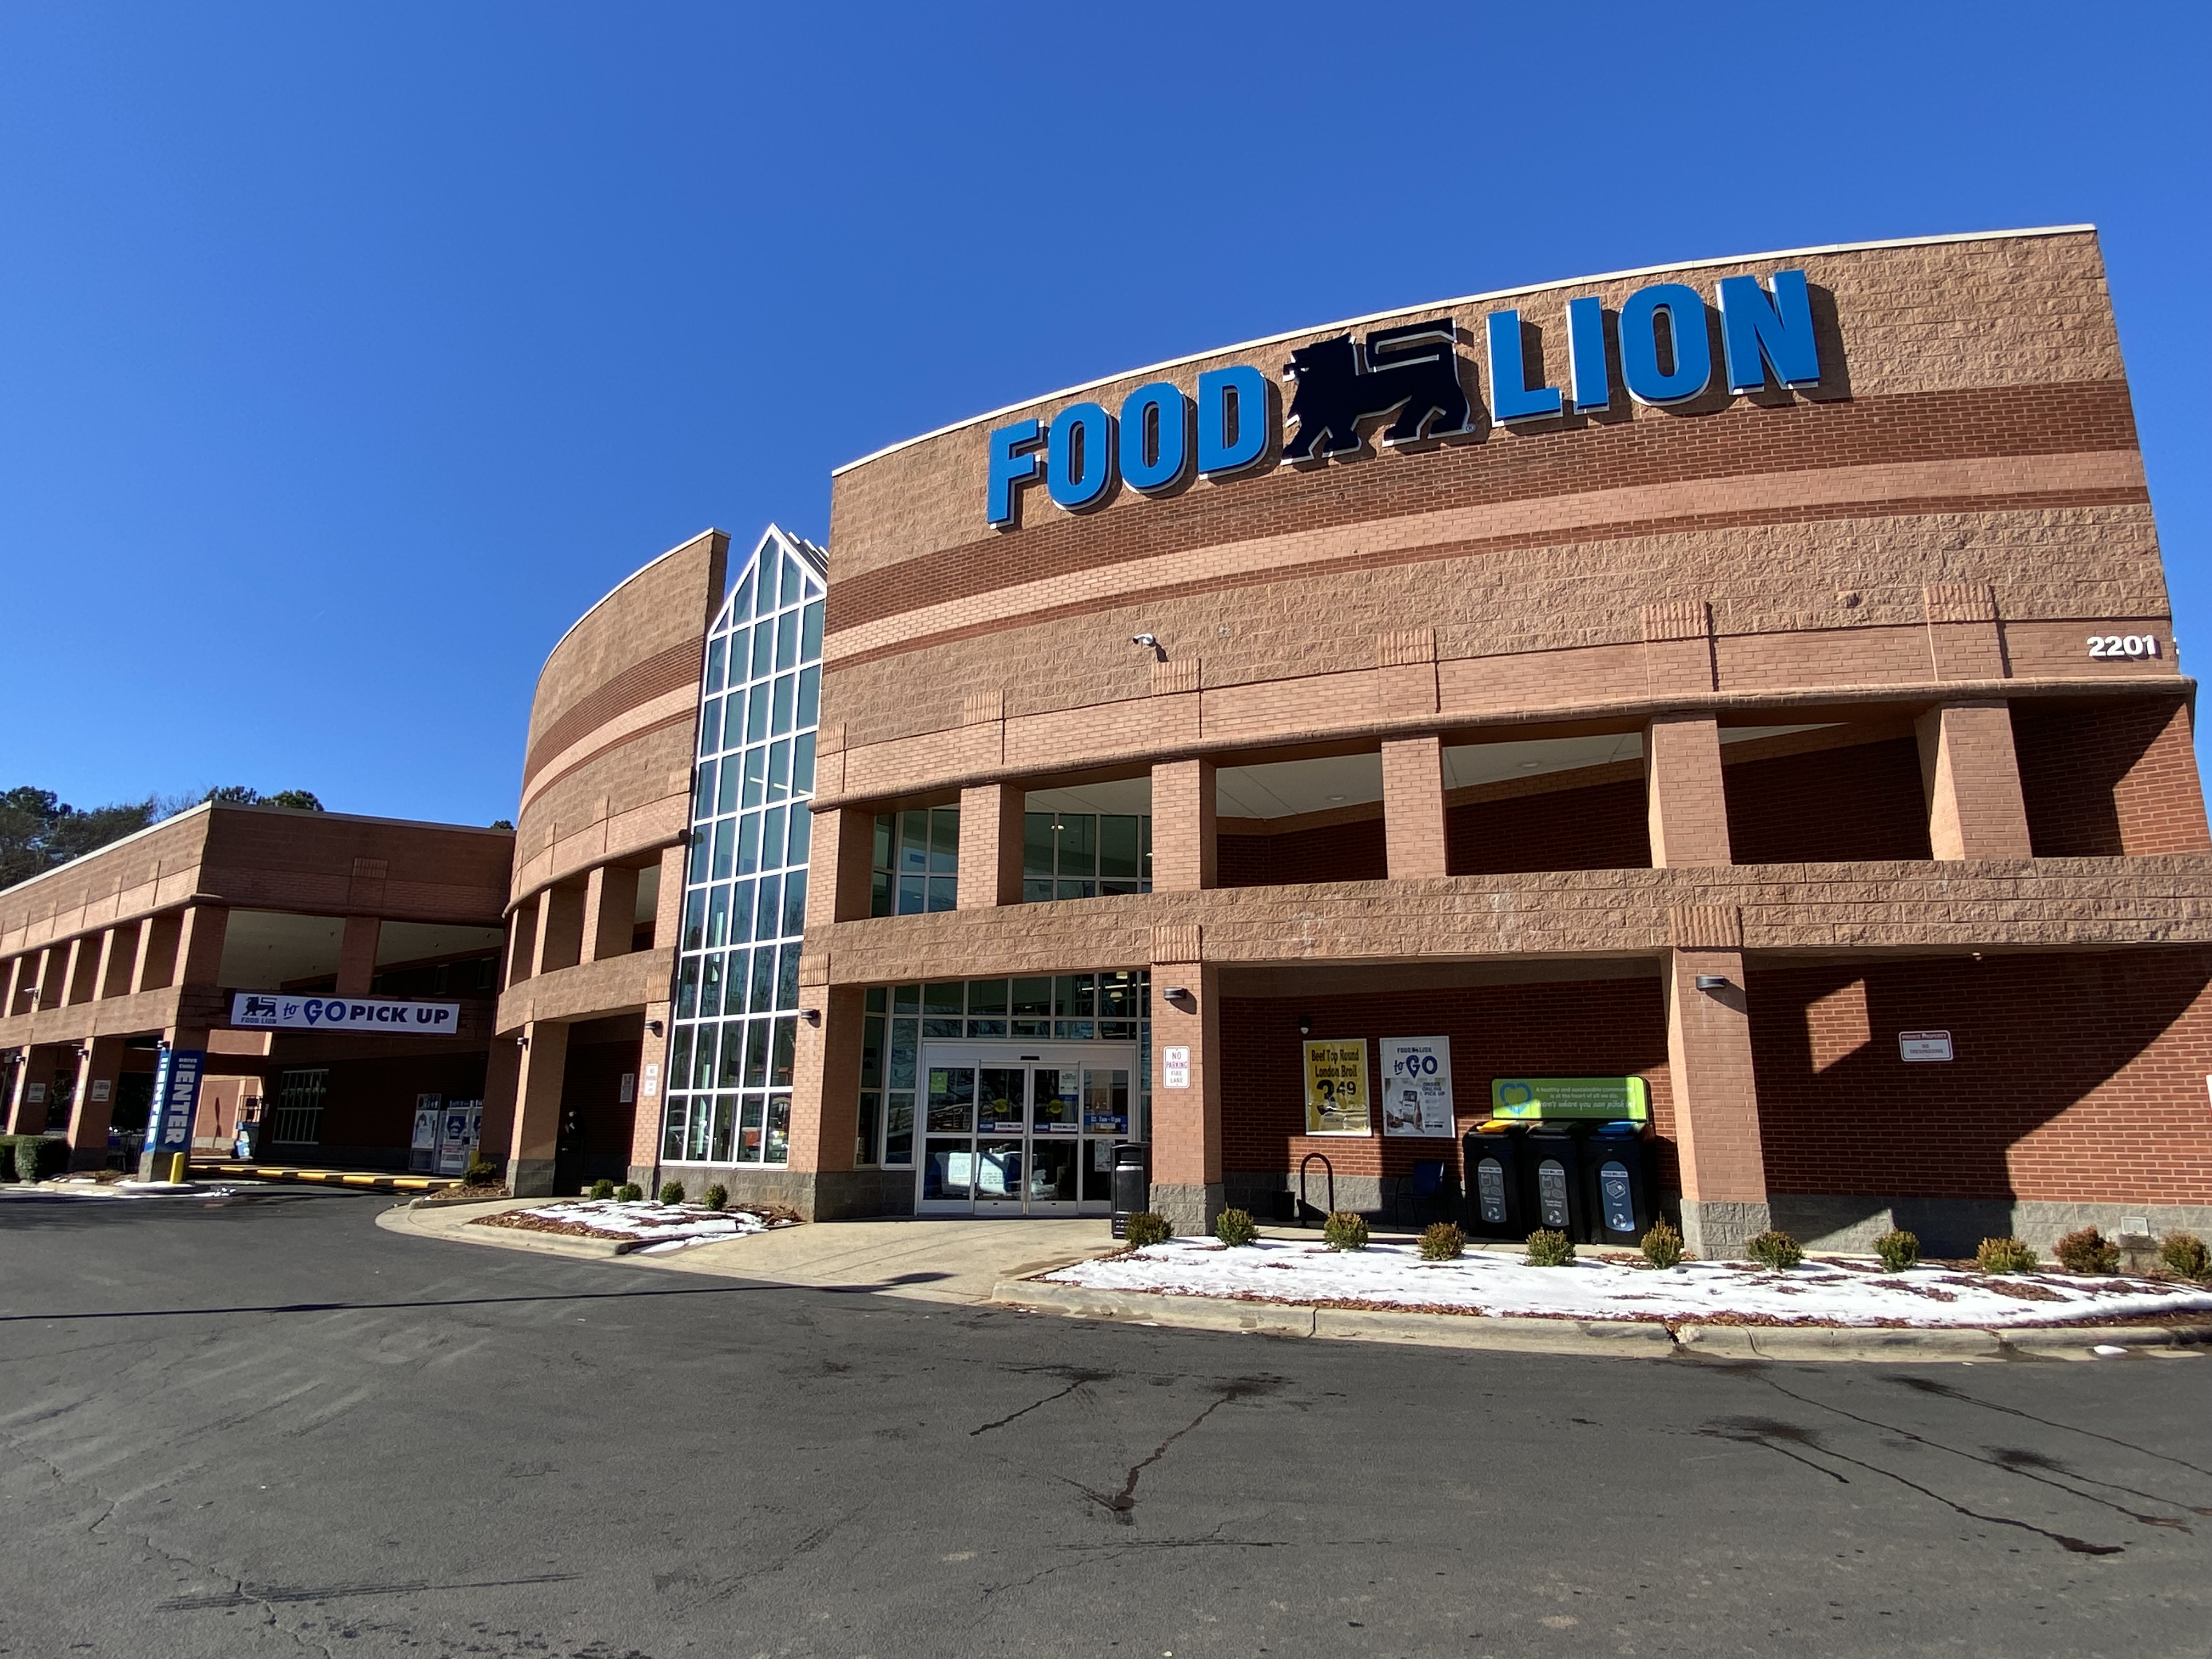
(1146, 1228)
(628, 1192)
(2004, 1256)
(2087, 1251)
(1662, 1245)
(1442, 1242)
(1344, 1230)
(481, 1172)
(671, 1191)
(716, 1197)
(1236, 1227)
(1548, 1248)
(40, 1157)
(2186, 1257)
(602, 1189)
(1897, 1249)
(1776, 1251)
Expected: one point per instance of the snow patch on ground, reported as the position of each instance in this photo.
(1819, 1293)
(666, 1226)
(86, 1187)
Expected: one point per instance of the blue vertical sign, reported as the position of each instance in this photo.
(176, 1100)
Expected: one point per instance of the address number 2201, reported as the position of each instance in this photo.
(2123, 645)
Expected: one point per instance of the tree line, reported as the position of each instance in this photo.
(38, 831)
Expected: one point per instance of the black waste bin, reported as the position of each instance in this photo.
(1495, 1206)
(1552, 1192)
(1133, 1183)
(1617, 1176)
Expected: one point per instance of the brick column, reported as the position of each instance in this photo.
(839, 881)
(536, 1137)
(1186, 1127)
(357, 955)
(560, 930)
(199, 951)
(668, 904)
(1413, 808)
(24, 1116)
(156, 967)
(1716, 1098)
(521, 942)
(610, 912)
(991, 845)
(1184, 817)
(1684, 795)
(93, 1109)
(825, 1106)
(502, 1072)
(19, 970)
(81, 980)
(1971, 777)
(651, 1096)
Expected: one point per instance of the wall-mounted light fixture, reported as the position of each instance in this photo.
(811, 1016)
(1712, 983)
(1305, 1025)
(1178, 993)
(522, 1042)
(654, 1026)
(1151, 642)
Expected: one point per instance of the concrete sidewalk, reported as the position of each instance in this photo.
(930, 1259)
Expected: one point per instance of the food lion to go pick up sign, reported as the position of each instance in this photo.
(268, 1011)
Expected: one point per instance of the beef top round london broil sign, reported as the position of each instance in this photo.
(1659, 345)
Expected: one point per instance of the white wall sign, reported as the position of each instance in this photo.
(1416, 1092)
(1923, 1048)
(282, 1011)
(1174, 1068)
(650, 1086)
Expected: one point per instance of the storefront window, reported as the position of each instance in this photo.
(917, 861)
(736, 992)
(1068, 855)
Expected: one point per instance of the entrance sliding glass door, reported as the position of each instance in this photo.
(1016, 1131)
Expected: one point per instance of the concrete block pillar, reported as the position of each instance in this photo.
(560, 930)
(1185, 819)
(1684, 795)
(609, 911)
(991, 817)
(90, 1114)
(1972, 776)
(1716, 1103)
(535, 1138)
(1186, 1129)
(1413, 808)
(357, 955)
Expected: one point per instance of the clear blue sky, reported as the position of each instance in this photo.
(348, 352)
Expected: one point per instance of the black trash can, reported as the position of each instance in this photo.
(1133, 1183)
(1495, 1206)
(1617, 1176)
(1552, 1192)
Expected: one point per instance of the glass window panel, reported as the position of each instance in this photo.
(763, 985)
(1117, 995)
(1117, 846)
(1076, 890)
(986, 999)
(771, 894)
(694, 918)
(802, 765)
(741, 913)
(948, 1170)
(703, 1123)
(793, 584)
(1032, 999)
(905, 1044)
(886, 833)
(716, 649)
(755, 776)
(810, 632)
(742, 605)
(787, 689)
(687, 988)
(913, 895)
(945, 997)
(1077, 845)
(1055, 1108)
(810, 698)
(719, 867)
(998, 1099)
(726, 797)
(733, 720)
(735, 647)
(781, 1059)
(702, 1060)
(702, 792)
(906, 999)
(786, 977)
(913, 842)
(779, 770)
(710, 986)
(878, 999)
(748, 1131)
(748, 842)
(945, 892)
(1073, 996)
(898, 1130)
(951, 1099)
(696, 873)
(871, 1052)
(987, 1027)
(871, 1124)
(730, 1061)
(772, 838)
(944, 840)
(679, 1056)
(1037, 892)
(763, 648)
(672, 1133)
(710, 724)
(1036, 846)
(779, 1129)
(756, 1052)
(794, 904)
(1144, 851)
(879, 896)
(802, 838)
(723, 1106)
(718, 916)
(757, 714)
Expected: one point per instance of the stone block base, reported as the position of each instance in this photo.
(818, 1195)
(1189, 1210)
(529, 1177)
(1716, 1230)
(1952, 1227)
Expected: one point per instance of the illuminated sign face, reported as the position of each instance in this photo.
(1413, 373)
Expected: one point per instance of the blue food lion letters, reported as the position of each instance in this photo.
(1660, 347)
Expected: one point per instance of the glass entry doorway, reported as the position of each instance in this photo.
(1022, 1128)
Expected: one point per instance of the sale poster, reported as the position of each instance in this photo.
(1336, 1088)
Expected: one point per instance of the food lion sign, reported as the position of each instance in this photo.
(272, 1011)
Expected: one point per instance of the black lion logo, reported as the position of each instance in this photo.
(1338, 384)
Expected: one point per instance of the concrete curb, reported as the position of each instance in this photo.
(1618, 1339)
(357, 1181)
(403, 1219)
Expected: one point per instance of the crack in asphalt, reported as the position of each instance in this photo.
(1122, 1504)
(245, 1595)
(1945, 1391)
(1107, 1554)
(1078, 1378)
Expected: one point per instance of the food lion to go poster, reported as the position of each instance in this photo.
(1417, 1093)
(1336, 1088)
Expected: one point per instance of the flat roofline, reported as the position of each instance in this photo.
(1464, 300)
(209, 806)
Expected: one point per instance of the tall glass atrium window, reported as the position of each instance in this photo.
(744, 899)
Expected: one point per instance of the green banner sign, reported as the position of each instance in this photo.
(1613, 1098)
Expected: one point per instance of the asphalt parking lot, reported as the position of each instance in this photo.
(262, 1425)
